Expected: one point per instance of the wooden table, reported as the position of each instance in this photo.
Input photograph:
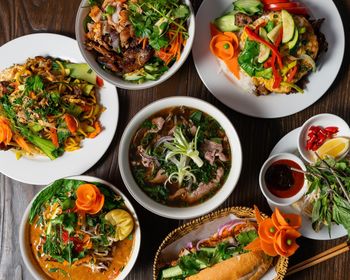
(258, 136)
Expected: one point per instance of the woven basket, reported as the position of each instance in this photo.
(280, 263)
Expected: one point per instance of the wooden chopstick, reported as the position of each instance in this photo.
(326, 255)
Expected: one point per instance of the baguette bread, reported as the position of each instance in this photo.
(248, 266)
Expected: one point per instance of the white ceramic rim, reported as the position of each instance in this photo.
(24, 223)
(274, 105)
(313, 121)
(113, 79)
(40, 170)
(271, 197)
(180, 212)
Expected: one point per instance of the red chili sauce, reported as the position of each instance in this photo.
(282, 181)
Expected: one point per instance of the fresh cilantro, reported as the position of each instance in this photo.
(244, 238)
(181, 12)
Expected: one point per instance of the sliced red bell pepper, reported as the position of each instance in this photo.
(252, 36)
(268, 63)
(266, 2)
(293, 7)
(260, 25)
(279, 38)
(99, 81)
(292, 73)
(276, 75)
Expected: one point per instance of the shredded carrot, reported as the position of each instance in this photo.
(97, 131)
(22, 143)
(173, 50)
(144, 43)
(5, 131)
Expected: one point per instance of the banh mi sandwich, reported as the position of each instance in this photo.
(222, 256)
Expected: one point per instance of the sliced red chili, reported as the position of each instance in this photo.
(252, 36)
(292, 73)
(276, 74)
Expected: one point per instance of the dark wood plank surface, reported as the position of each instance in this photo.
(258, 136)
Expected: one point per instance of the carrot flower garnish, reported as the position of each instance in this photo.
(224, 45)
(277, 234)
(89, 199)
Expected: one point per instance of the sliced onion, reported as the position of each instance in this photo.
(162, 140)
(309, 60)
(200, 242)
(189, 245)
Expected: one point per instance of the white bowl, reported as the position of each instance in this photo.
(115, 80)
(323, 120)
(271, 197)
(24, 240)
(180, 212)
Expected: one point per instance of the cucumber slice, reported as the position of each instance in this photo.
(171, 272)
(288, 26)
(82, 71)
(273, 34)
(265, 51)
(294, 41)
(227, 23)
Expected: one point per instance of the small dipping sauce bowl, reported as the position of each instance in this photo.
(279, 183)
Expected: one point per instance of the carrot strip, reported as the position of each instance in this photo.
(97, 131)
(5, 131)
(71, 122)
(22, 143)
(54, 137)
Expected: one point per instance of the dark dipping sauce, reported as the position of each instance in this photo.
(283, 182)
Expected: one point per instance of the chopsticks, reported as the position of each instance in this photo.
(326, 255)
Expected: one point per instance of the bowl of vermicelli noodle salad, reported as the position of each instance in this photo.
(48, 106)
(135, 44)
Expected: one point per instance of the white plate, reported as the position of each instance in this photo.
(41, 170)
(288, 144)
(274, 105)
(24, 243)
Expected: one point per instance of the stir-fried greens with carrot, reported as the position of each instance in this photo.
(137, 39)
(274, 45)
(78, 227)
(48, 106)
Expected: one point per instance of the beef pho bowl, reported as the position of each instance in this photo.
(180, 157)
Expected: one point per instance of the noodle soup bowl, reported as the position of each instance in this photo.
(185, 212)
(25, 239)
